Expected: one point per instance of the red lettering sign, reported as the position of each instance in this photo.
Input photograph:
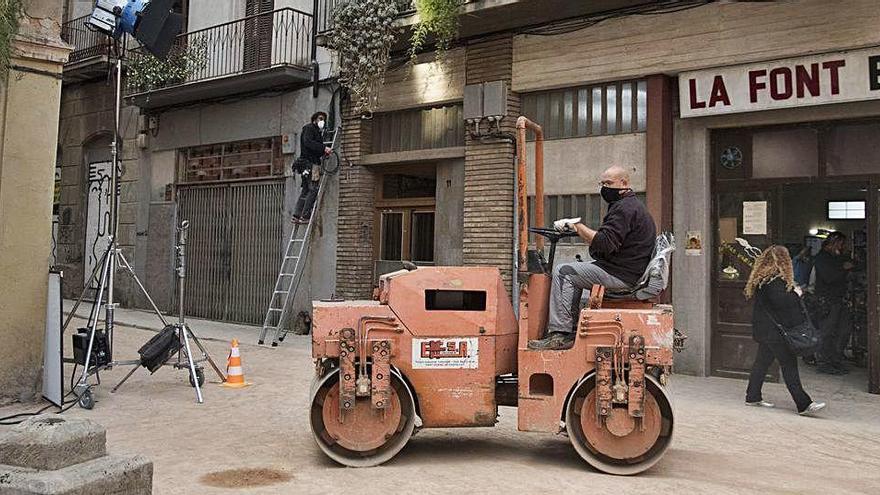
(807, 81)
(755, 84)
(780, 90)
(833, 67)
(719, 92)
(695, 103)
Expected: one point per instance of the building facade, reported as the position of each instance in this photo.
(718, 149)
(210, 141)
(804, 147)
(29, 99)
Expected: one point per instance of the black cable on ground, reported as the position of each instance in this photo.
(13, 419)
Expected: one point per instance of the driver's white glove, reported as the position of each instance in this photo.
(566, 224)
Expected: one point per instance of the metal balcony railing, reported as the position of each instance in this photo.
(273, 39)
(86, 43)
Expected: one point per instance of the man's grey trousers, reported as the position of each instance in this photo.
(569, 282)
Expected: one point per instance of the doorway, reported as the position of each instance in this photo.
(783, 185)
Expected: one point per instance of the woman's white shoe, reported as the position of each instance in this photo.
(761, 403)
(813, 408)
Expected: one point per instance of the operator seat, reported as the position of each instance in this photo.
(656, 277)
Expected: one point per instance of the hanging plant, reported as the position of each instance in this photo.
(10, 18)
(437, 18)
(363, 31)
(146, 72)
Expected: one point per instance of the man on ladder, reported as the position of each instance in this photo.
(312, 164)
(312, 149)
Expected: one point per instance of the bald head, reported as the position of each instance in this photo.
(615, 177)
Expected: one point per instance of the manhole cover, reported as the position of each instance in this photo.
(245, 478)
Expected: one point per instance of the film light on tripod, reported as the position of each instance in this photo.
(152, 22)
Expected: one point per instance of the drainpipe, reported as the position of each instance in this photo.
(315, 69)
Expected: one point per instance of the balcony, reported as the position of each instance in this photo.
(265, 51)
(88, 60)
(481, 17)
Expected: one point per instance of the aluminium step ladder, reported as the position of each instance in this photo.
(293, 263)
(290, 274)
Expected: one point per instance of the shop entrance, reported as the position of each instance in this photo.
(790, 186)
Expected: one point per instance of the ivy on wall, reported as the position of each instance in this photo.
(364, 32)
(146, 72)
(362, 37)
(10, 17)
(437, 18)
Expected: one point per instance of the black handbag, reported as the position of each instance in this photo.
(802, 339)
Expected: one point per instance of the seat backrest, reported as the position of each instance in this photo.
(656, 276)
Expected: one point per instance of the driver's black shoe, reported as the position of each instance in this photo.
(556, 341)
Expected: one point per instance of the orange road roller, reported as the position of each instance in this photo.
(442, 347)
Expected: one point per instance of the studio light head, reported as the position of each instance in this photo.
(151, 22)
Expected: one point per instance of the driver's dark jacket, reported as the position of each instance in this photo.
(624, 244)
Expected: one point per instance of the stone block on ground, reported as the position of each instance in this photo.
(54, 455)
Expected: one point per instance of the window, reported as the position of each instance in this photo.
(455, 300)
(241, 160)
(418, 129)
(846, 210)
(405, 204)
(405, 185)
(616, 108)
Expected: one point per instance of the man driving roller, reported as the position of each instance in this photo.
(621, 249)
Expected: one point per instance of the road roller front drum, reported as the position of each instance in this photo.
(618, 443)
(361, 436)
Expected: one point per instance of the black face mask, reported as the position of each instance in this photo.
(610, 194)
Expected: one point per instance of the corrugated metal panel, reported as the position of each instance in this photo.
(418, 129)
(589, 110)
(234, 246)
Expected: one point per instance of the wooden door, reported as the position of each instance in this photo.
(744, 217)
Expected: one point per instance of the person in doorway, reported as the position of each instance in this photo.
(803, 266)
(772, 286)
(832, 267)
(621, 249)
(312, 149)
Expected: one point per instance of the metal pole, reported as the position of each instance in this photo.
(114, 206)
(515, 274)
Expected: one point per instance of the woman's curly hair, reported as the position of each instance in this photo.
(773, 263)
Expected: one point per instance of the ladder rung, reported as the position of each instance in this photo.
(276, 309)
(281, 292)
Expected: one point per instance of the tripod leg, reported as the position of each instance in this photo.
(143, 289)
(192, 364)
(93, 318)
(207, 356)
(114, 389)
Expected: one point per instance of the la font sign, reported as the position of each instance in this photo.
(804, 81)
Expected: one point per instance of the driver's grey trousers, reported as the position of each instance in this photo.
(569, 282)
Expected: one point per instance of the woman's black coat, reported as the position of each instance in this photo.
(782, 303)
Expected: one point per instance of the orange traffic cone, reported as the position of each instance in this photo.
(234, 375)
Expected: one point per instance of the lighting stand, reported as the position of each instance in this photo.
(184, 333)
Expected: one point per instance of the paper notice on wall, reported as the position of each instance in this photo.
(727, 229)
(694, 243)
(754, 218)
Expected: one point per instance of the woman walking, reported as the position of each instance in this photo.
(777, 300)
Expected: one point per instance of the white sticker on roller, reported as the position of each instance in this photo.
(653, 320)
(446, 353)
